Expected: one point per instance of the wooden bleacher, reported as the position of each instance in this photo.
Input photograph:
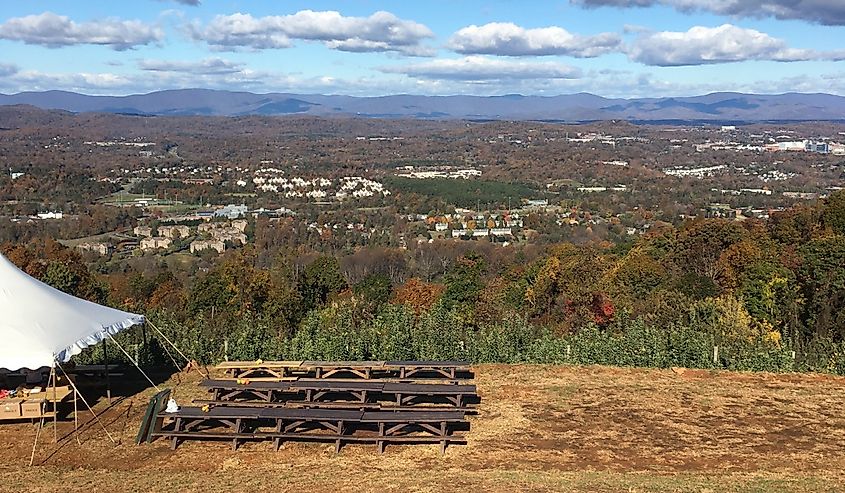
(342, 402)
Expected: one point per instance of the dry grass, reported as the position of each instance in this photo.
(540, 429)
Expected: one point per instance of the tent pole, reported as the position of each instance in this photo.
(106, 368)
(75, 419)
(55, 407)
(35, 443)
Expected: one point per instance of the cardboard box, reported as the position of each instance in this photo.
(10, 408)
(61, 393)
(32, 408)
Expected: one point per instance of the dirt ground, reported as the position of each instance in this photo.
(540, 428)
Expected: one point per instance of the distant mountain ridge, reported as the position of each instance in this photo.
(723, 107)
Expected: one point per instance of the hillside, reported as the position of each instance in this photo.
(540, 428)
(716, 107)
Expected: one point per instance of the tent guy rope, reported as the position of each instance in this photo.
(134, 363)
(96, 418)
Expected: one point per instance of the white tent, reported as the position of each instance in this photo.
(40, 325)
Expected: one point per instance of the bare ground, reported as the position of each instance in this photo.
(540, 428)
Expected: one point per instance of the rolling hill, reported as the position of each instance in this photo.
(716, 107)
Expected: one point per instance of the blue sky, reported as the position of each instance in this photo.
(615, 48)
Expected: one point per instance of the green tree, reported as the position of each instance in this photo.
(320, 280)
(833, 212)
(373, 292)
(463, 281)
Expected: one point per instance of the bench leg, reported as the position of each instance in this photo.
(443, 441)
(278, 441)
(337, 443)
(237, 430)
(174, 443)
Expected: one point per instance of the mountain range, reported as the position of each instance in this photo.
(716, 107)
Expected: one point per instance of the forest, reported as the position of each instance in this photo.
(710, 293)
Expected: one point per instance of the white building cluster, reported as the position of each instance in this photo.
(445, 172)
(320, 188)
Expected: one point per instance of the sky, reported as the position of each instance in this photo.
(613, 48)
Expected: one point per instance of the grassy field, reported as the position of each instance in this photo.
(539, 429)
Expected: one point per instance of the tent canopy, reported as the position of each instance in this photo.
(40, 325)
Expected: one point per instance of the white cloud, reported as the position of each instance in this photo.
(7, 69)
(827, 12)
(382, 31)
(609, 83)
(480, 68)
(34, 80)
(207, 66)
(508, 39)
(727, 43)
(52, 30)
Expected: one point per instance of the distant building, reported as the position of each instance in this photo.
(758, 191)
(50, 215)
(229, 235)
(143, 231)
(817, 147)
(538, 203)
(200, 245)
(232, 211)
(240, 225)
(207, 227)
(173, 232)
(98, 248)
(155, 243)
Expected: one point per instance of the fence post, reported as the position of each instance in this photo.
(226, 349)
(715, 355)
(568, 353)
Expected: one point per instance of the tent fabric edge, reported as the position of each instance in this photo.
(64, 355)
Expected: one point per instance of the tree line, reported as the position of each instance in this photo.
(712, 293)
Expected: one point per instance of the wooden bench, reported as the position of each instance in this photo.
(362, 392)
(239, 424)
(366, 370)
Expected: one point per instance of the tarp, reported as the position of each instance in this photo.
(40, 325)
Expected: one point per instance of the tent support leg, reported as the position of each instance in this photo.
(35, 443)
(55, 407)
(76, 419)
(106, 368)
